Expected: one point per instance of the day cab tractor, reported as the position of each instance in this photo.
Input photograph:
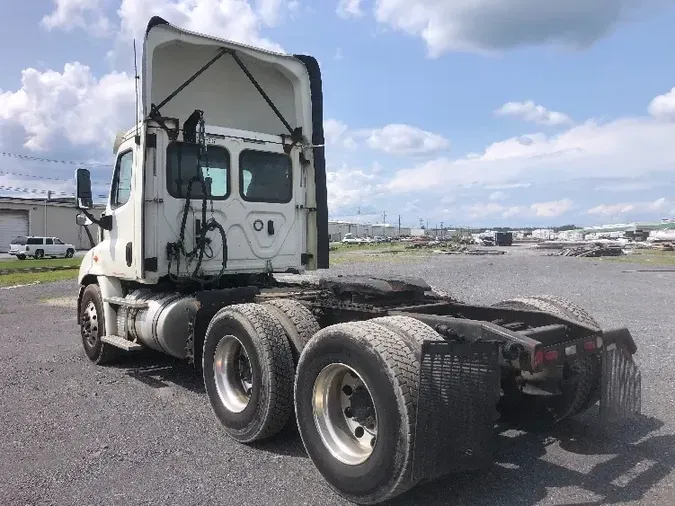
(217, 217)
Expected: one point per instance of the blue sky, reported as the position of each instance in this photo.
(482, 112)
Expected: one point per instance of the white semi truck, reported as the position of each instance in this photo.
(220, 188)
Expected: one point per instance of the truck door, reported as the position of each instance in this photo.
(269, 186)
(118, 243)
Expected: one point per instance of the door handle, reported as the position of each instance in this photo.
(128, 251)
(270, 227)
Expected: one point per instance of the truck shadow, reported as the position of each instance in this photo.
(158, 370)
(589, 465)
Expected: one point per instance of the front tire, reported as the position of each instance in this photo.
(92, 327)
(248, 372)
(70, 253)
(356, 392)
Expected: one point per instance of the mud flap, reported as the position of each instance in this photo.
(459, 391)
(620, 385)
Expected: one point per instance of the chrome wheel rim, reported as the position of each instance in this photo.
(90, 324)
(344, 414)
(233, 374)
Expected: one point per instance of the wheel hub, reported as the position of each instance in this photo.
(344, 414)
(233, 374)
(90, 324)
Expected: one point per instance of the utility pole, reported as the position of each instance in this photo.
(399, 225)
(49, 197)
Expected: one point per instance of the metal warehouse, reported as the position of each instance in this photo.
(55, 218)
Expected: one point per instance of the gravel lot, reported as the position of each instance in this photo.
(143, 433)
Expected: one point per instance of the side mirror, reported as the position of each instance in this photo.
(82, 220)
(84, 198)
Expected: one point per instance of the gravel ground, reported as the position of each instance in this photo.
(143, 433)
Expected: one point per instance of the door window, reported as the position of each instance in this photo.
(265, 176)
(121, 187)
(50, 241)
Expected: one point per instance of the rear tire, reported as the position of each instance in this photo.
(92, 327)
(248, 372)
(21, 257)
(367, 457)
(39, 254)
(412, 331)
(298, 323)
(587, 368)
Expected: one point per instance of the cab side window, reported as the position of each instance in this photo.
(121, 186)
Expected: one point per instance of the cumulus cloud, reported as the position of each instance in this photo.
(349, 8)
(85, 14)
(348, 186)
(493, 25)
(393, 139)
(238, 20)
(624, 148)
(72, 105)
(529, 111)
(663, 106)
(629, 208)
(552, 209)
(399, 139)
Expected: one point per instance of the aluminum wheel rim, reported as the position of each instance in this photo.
(90, 324)
(233, 374)
(347, 434)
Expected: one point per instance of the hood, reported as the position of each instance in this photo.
(228, 90)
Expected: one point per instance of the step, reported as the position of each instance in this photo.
(132, 303)
(120, 342)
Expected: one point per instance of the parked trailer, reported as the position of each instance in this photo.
(390, 382)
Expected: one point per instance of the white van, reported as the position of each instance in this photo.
(40, 247)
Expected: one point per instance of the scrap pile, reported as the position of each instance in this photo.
(591, 250)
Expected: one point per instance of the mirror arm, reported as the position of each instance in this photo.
(105, 221)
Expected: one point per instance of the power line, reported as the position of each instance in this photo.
(52, 160)
(20, 174)
(19, 189)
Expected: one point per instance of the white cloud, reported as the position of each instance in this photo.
(72, 105)
(492, 25)
(498, 195)
(86, 14)
(349, 186)
(349, 8)
(236, 20)
(529, 111)
(663, 106)
(489, 209)
(394, 139)
(399, 139)
(624, 148)
(334, 130)
(553, 208)
(617, 209)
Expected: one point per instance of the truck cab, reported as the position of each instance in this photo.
(225, 172)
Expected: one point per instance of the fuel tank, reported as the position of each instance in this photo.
(164, 324)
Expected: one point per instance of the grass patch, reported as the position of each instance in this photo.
(49, 262)
(647, 257)
(25, 278)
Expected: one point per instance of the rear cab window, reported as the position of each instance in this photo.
(35, 240)
(265, 176)
(181, 166)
